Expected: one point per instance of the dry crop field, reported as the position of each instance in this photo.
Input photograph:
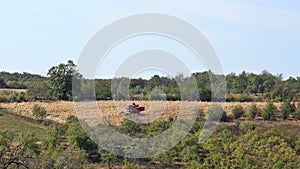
(14, 90)
(110, 110)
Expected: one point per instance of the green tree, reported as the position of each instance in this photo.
(269, 111)
(39, 91)
(190, 152)
(253, 111)
(216, 157)
(297, 112)
(129, 165)
(108, 158)
(157, 94)
(285, 110)
(129, 127)
(72, 157)
(238, 111)
(2, 84)
(77, 137)
(38, 111)
(22, 97)
(18, 152)
(61, 77)
(53, 139)
(103, 89)
(216, 113)
(242, 82)
(297, 146)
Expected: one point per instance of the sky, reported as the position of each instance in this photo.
(250, 35)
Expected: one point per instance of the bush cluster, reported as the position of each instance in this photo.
(10, 96)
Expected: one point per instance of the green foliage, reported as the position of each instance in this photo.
(129, 165)
(12, 96)
(20, 81)
(61, 77)
(77, 137)
(72, 119)
(253, 111)
(216, 157)
(2, 84)
(251, 150)
(18, 152)
(157, 127)
(297, 112)
(238, 111)
(39, 91)
(285, 110)
(239, 98)
(24, 152)
(38, 111)
(53, 139)
(165, 159)
(297, 146)
(216, 113)
(70, 158)
(15, 126)
(129, 127)
(28, 143)
(269, 111)
(108, 158)
(244, 87)
(190, 149)
(228, 147)
(157, 94)
(103, 89)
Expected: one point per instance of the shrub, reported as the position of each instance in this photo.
(230, 98)
(297, 112)
(269, 111)
(77, 137)
(238, 111)
(72, 119)
(253, 111)
(13, 97)
(243, 98)
(3, 97)
(38, 111)
(285, 110)
(22, 97)
(216, 113)
(130, 127)
(128, 165)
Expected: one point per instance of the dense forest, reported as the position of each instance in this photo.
(244, 87)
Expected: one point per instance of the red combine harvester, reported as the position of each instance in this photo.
(134, 108)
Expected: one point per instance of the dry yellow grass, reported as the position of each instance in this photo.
(60, 110)
(14, 90)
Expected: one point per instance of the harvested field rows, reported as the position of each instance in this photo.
(60, 110)
(14, 90)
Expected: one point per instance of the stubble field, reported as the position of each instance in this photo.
(110, 110)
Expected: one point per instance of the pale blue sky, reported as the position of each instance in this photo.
(250, 35)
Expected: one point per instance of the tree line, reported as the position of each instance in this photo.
(243, 87)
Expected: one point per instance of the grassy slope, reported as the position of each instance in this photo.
(18, 126)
